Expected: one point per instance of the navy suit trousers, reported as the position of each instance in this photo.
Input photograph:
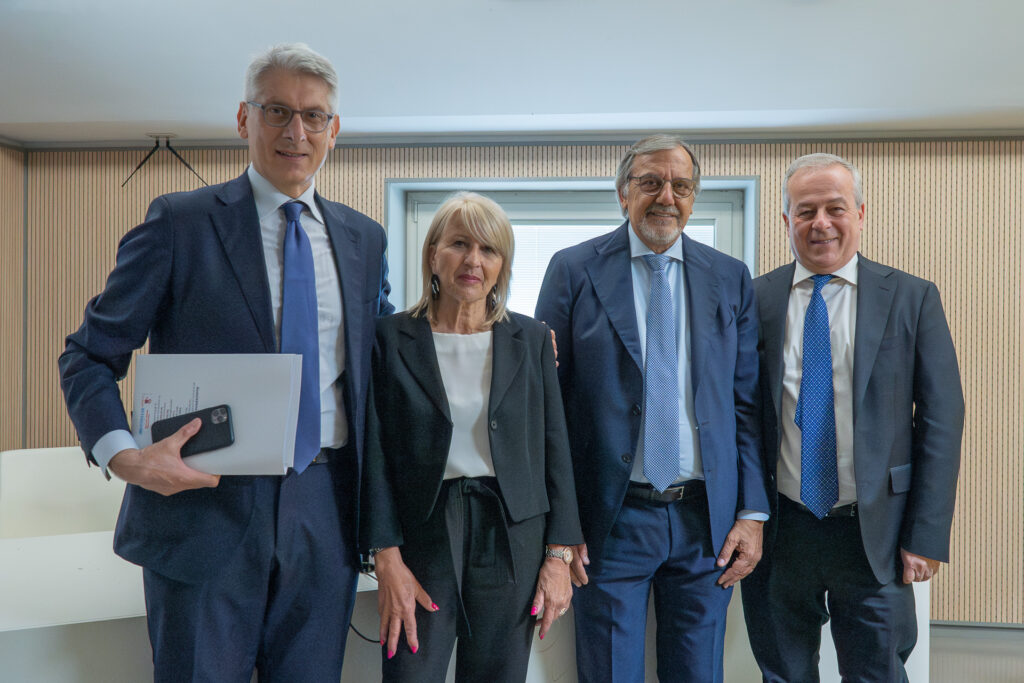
(666, 547)
(282, 605)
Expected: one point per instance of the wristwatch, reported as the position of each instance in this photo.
(367, 563)
(565, 554)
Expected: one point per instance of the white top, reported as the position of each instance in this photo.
(840, 296)
(333, 425)
(690, 463)
(465, 362)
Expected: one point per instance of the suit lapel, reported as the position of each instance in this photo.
(774, 303)
(416, 347)
(702, 298)
(346, 243)
(238, 228)
(612, 277)
(507, 357)
(875, 291)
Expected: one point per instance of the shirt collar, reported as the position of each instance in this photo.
(637, 248)
(847, 272)
(269, 199)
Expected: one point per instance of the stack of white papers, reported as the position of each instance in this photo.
(262, 391)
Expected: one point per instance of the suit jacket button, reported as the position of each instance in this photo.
(636, 409)
(494, 424)
(627, 458)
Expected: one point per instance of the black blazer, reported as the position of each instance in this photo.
(409, 431)
(908, 410)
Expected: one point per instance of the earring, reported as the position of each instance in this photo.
(492, 298)
(435, 286)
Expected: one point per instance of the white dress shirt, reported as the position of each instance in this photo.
(840, 295)
(333, 425)
(465, 363)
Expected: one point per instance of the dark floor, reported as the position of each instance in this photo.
(964, 654)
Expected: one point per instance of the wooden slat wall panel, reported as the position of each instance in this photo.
(948, 211)
(12, 228)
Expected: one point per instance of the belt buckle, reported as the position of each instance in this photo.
(676, 492)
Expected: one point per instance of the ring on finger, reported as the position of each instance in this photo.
(562, 611)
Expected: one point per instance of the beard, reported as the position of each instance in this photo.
(659, 235)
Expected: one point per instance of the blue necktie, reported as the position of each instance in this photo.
(661, 381)
(300, 333)
(815, 410)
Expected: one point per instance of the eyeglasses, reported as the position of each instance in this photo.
(279, 116)
(652, 184)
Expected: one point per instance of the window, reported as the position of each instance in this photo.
(545, 221)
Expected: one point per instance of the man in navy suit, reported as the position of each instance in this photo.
(243, 572)
(657, 340)
(863, 477)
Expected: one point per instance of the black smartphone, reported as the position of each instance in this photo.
(216, 431)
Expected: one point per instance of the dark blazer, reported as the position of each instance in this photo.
(192, 279)
(908, 409)
(409, 434)
(587, 298)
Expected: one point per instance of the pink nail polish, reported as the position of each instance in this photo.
(434, 606)
(382, 641)
(391, 653)
(533, 611)
(542, 637)
(414, 650)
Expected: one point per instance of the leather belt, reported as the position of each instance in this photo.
(649, 494)
(843, 511)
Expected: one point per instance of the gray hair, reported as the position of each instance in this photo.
(296, 57)
(649, 145)
(820, 160)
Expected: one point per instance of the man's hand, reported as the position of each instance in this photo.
(398, 591)
(159, 467)
(917, 567)
(741, 552)
(580, 559)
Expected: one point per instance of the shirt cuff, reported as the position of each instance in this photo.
(109, 445)
(752, 514)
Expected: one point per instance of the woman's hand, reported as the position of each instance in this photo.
(554, 592)
(398, 591)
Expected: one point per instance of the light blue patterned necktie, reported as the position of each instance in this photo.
(815, 410)
(661, 381)
(300, 331)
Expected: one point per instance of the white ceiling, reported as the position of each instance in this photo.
(107, 72)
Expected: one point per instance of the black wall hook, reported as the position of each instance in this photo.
(156, 145)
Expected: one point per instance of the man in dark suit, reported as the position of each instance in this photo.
(658, 370)
(244, 572)
(863, 420)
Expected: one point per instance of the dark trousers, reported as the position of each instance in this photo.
(667, 547)
(282, 605)
(815, 572)
(484, 603)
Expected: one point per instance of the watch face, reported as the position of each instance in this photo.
(567, 555)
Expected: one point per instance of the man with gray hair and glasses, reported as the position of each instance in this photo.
(244, 573)
(863, 417)
(657, 341)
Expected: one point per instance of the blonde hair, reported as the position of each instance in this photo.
(487, 223)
